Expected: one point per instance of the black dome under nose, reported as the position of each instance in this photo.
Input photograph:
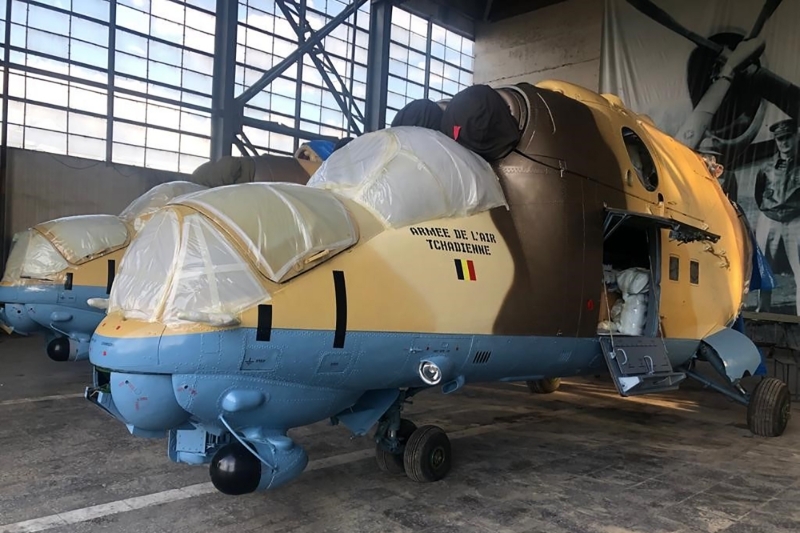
(234, 470)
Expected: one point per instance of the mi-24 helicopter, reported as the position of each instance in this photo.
(57, 270)
(560, 235)
(60, 272)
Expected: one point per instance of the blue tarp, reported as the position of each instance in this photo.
(762, 277)
(322, 148)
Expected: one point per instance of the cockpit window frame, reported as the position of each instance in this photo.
(632, 139)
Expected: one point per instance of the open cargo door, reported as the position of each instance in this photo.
(640, 364)
(680, 231)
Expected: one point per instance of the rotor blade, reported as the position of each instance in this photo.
(766, 12)
(662, 17)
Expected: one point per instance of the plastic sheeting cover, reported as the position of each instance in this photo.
(16, 257)
(284, 225)
(171, 269)
(32, 257)
(211, 278)
(155, 198)
(144, 272)
(409, 174)
(80, 237)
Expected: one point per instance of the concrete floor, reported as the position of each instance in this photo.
(580, 460)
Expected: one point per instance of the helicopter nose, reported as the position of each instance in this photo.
(147, 401)
(16, 317)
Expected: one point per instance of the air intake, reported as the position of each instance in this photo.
(481, 358)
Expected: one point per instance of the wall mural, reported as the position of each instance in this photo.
(722, 77)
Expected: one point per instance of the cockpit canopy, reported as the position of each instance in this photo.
(200, 257)
(407, 174)
(44, 251)
(202, 263)
(153, 199)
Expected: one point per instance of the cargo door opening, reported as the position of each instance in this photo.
(629, 300)
(630, 338)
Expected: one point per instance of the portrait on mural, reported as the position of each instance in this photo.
(722, 76)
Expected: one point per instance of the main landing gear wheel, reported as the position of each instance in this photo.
(770, 408)
(544, 386)
(392, 463)
(427, 456)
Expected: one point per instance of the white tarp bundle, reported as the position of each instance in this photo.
(408, 174)
(158, 196)
(287, 228)
(629, 313)
(634, 284)
(81, 237)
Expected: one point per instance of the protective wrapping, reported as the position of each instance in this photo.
(32, 257)
(144, 272)
(175, 271)
(211, 279)
(408, 174)
(626, 297)
(81, 237)
(16, 256)
(286, 227)
(634, 284)
(156, 197)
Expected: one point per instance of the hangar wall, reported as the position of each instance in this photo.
(42, 186)
(560, 41)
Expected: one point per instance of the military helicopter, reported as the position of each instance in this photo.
(58, 271)
(414, 259)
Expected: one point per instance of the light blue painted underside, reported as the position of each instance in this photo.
(304, 379)
(49, 308)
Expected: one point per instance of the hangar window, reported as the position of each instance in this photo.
(641, 159)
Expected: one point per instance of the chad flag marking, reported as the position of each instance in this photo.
(465, 269)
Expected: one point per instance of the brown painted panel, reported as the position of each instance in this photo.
(556, 188)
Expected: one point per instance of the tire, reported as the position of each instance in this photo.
(544, 386)
(392, 463)
(427, 457)
(769, 409)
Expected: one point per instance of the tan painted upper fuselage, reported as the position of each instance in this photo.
(538, 265)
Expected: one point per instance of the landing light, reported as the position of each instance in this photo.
(430, 372)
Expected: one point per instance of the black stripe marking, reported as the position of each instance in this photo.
(68, 282)
(264, 328)
(459, 269)
(112, 268)
(341, 308)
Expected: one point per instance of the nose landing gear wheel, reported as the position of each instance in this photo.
(769, 409)
(392, 463)
(427, 456)
(544, 386)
